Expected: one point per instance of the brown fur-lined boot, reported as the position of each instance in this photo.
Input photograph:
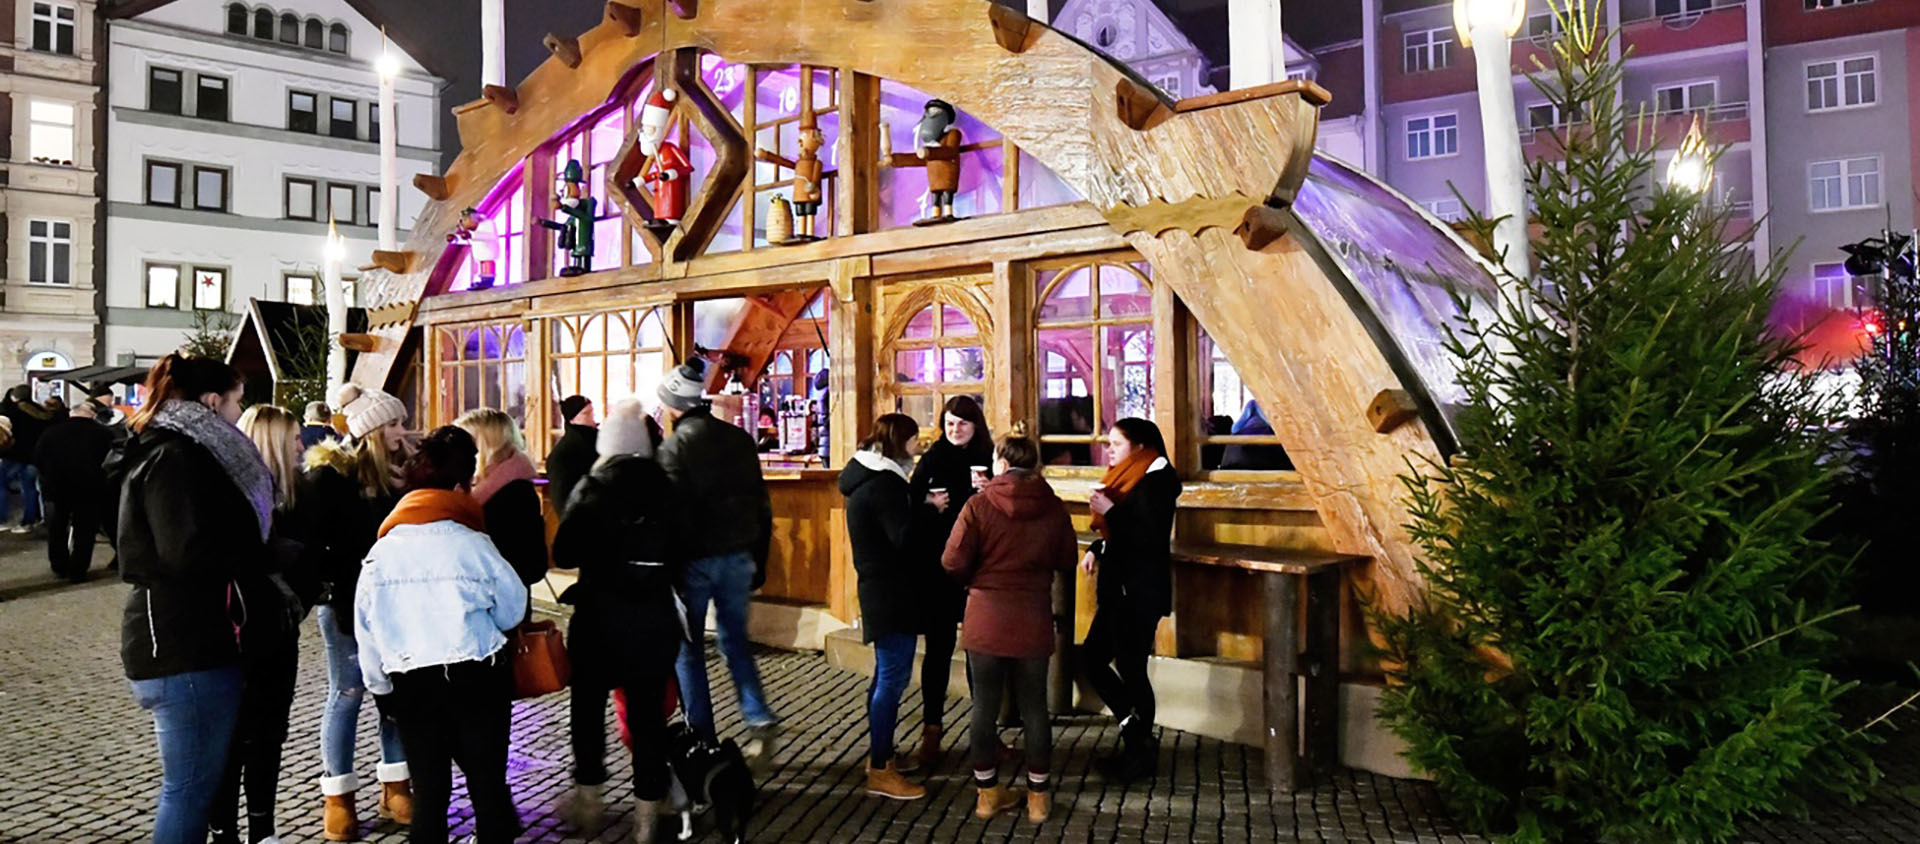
(338, 818)
(396, 793)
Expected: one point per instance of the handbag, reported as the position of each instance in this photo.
(539, 658)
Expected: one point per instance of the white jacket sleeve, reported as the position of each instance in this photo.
(372, 674)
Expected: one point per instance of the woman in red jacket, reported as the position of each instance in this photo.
(1011, 539)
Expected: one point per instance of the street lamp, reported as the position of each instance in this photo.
(334, 252)
(1691, 169)
(1492, 24)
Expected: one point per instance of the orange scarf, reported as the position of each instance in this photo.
(1121, 478)
(426, 506)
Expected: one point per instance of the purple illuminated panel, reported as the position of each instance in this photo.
(903, 191)
(500, 238)
(1040, 187)
(1402, 261)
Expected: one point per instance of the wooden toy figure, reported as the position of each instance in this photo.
(668, 174)
(936, 147)
(808, 173)
(483, 246)
(779, 220)
(576, 231)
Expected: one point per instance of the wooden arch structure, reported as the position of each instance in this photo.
(1200, 189)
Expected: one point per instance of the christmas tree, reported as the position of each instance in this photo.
(1622, 634)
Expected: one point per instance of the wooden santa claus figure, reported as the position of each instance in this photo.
(483, 246)
(668, 173)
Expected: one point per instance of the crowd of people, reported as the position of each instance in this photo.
(416, 559)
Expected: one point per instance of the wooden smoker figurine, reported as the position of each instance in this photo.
(483, 246)
(808, 173)
(668, 173)
(576, 231)
(936, 147)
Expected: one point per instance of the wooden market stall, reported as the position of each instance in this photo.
(1110, 253)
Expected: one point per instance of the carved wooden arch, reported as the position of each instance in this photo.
(946, 293)
(1138, 159)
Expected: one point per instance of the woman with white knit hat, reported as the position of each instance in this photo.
(350, 488)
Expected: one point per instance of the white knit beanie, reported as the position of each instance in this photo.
(367, 410)
(624, 431)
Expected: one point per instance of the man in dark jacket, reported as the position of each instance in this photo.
(573, 456)
(319, 425)
(30, 419)
(726, 527)
(73, 482)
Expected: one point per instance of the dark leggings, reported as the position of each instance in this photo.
(1115, 655)
(457, 714)
(266, 700)
(936, 667)
(990, 675)
(645, 685)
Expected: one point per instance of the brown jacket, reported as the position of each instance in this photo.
(1010, 540)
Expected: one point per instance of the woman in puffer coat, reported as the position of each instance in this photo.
(620, 532)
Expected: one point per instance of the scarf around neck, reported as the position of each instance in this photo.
(880, 463)
(519, 467)
(232, 449)
(1121, 478)
(426, 506)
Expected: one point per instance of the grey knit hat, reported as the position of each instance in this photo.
(367, 409)
(685, 387)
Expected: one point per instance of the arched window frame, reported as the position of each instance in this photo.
(263, 23)
(338, 38)
(978, 340)
(1084, 449)
(239, 19)
(481, 356)
(589, 352)
(315, 34)
(290, 28)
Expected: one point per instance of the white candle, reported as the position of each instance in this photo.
(389, 68)
(335, 251)
(493, 42)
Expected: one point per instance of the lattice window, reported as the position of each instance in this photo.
(1093, 341)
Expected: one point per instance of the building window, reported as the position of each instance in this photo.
(482, 365)
(1448, 209)
(302, 289)
(1685, 97)
(163, 90)
(1834, 287)
(303, 112)
(210, 101)
(1816, 5)
(163, 286)
(290, 28)
(1670, 8)
(1237, 436)
(1851, 82)
(373, 121)
(340, 202)
(373, 206)
(263, 24)
(237, 16)
(1549, 115)
(1169, 84)
(50, 132)
(209, 289)
(1544, 26)
(1428, 49)
(343, 119)
(1433, 136)
(209, 189)
(163, 184)
(49, 252)
(337, 38)
(604, 356)
(1093, 346)
(316, 34)
(53, 28)
(300, 193)
(1845, 184)
(939, 353)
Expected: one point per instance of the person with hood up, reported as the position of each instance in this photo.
(73, 480)
(621, 530)
(29, 419)
(892, 588)
(1009, 543)
(431, 615)
(946, 477)
(503, 484)
(573, 456)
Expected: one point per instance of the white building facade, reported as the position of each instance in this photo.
(49, 198)
(236, 130)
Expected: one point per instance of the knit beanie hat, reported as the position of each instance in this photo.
(367, 409)
(685, 387)
(571, 407)
(624, 430)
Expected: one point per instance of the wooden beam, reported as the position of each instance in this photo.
(1390, 409)
(856, 208)
(359, 342)
(1010, 364)
(1140, 108)
(1303, 88)
(565, 48)
(1281, 661)
(1262, 226)
(1012, 29)
(435, 187)
(504, 98)
(626, 17)
(397, 262)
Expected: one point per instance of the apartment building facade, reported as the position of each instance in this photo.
(49, 192)
(236, 131)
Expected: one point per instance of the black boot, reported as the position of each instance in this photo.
(1139, 754)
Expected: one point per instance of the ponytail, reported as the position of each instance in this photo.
(177, 376)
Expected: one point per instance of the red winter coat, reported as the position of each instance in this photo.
(1010, 540)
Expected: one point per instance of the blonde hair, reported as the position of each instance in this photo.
(379, 467)
(276, 431)
(495, 434)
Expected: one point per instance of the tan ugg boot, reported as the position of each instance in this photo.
(396, 793)
(338, 819)
(995, 799)
(1039, 805)
(887, 782)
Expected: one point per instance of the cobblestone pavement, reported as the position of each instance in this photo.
(77, 761)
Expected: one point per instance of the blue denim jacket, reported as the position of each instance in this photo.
(429, 595)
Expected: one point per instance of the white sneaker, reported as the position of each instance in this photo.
(21, 529)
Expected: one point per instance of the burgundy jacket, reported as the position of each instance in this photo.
(1010, 540)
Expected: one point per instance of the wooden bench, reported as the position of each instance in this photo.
(1291, 763)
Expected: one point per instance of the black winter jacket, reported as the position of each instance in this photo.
(893, 588)
(569, 461)
(944, 466)
(518, 528)
(723, 499)
(71, 458)
(186, 534)
(1136, 560)
(621, 531)
(29, 422)
(338, 522)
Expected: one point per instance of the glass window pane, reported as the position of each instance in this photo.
(300, 200)
(916, 366)
(163, 184)
(1071, 299)
(923, 408)
(1066, 364)
(921, 326)
(210, 189)
(653, 331)
(963, 365)
(163, 287)
(954, 322)
(1123, 294)
(1126, 377)
(209, 289)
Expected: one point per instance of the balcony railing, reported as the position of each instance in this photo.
(1716, 113)
(1689, 13)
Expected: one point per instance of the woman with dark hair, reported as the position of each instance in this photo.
(195, 512)
(879, 513)
(1133, 509)
(948, 474)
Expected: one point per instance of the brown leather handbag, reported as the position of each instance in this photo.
(540, 664)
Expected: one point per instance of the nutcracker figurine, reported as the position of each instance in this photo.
(807, 175)
(483, 246)
(576, 231)
(936, 147)
(668, 172)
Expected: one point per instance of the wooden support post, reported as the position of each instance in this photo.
(435, 187)
(1140, 107)
(628, 17)
(504, 98)
(1322, 674)
(850, 395)
(1011, 359)
(1066, 664)
(564, 48)
(1281, 663)
(856, 200)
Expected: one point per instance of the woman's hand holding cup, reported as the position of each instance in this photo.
(939, 499)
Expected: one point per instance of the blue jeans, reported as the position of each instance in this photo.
(193, 718)
(726, 582)
(22, 473)
(892, 668)
(344, 693)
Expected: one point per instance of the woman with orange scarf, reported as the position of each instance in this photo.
(1133, 510)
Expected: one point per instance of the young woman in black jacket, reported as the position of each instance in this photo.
(949, 473)
(1133, 509)
(503, 484)
(892, 588)
(196, 510)
(621, 531)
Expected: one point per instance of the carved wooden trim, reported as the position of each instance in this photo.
(398, 262)
(1140, 107)
(1015, 31)
(628, 18)
(504, 98)
(564, 48)
(1391, 409)
(360, 342)
(707, 210)
(1190, 215)
(901, 311)
(397, 313)
(1262, 226)
(435, 187)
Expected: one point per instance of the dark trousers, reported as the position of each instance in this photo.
(936, 668)
(1115, 655)
(989, 678)
(266, 699)
(71, 526)
(451, 714)
(645, 686)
